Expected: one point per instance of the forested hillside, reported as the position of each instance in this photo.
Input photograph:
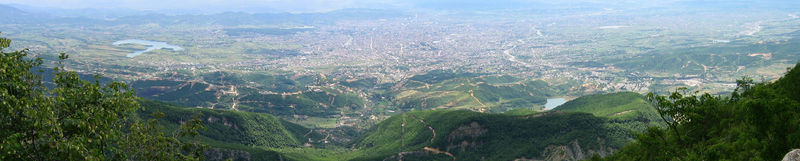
(465, 135)
(627, 112)
(614, 105)
(759, 121)
(233, 134)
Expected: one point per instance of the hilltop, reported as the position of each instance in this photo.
(622, 105)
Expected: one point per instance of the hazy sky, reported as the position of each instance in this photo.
(276, 5)
(307, 5)
(216, 5)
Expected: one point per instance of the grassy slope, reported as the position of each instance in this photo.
(623, 105)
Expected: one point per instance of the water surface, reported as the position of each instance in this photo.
(151, 45)
(553, 103)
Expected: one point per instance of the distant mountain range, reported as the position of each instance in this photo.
(32, 15)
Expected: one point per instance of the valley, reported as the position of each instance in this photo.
(549, 81)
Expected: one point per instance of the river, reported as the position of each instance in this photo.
(151, 45)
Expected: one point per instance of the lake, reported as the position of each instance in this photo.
(151, 45)
(553, 103)
(612, 27)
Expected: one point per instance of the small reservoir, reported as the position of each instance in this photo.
(151, 45)
(553, 103)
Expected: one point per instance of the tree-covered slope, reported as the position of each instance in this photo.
(465, 135)
(613, 105)
(789, 84)
(757, 122)
(233, 134)
(627, 112)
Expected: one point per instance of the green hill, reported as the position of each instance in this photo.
(434, 135)
(625, 105)
(478, 92)
(627, 112)
(233, 134)
(758, 121)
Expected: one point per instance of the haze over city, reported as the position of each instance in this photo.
(297, 6)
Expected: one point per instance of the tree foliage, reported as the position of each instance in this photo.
(77, 119)
(759, 121)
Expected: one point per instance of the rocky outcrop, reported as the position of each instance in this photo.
(224, 154)
(472, 131)
(571, 152)
(437, 151)
(793, 155)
